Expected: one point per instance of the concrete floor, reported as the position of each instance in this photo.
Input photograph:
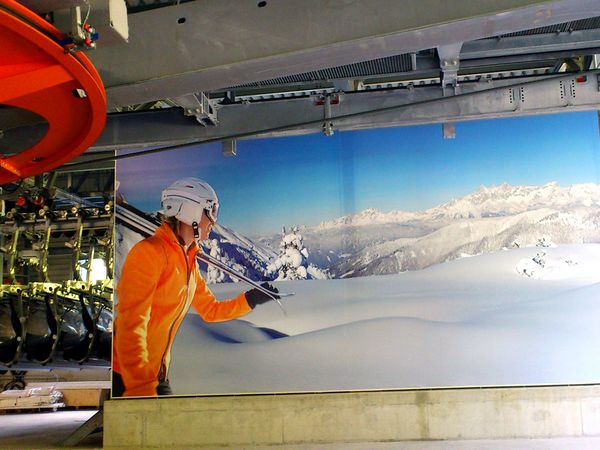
(47, 430)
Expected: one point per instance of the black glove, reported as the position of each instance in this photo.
(257, 297)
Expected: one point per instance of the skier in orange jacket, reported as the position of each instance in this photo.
(159, 281)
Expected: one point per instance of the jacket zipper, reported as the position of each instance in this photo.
(162, 372)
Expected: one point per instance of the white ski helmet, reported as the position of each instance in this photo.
(187, 199)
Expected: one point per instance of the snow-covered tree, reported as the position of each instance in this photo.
(546, 243)
(214, 275)
(531, 267)
(292, 263)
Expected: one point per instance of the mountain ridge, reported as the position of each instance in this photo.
(501, 200)
(375, 243)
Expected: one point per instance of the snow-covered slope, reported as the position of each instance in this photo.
(239, 252)
(225, 235)
(470, 322)
(469, 237)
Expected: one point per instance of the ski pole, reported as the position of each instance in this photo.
(230, 271)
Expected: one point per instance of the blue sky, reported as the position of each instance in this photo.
(304, 180)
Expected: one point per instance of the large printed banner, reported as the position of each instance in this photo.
(415, 261)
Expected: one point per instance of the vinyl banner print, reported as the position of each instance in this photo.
(376, 259)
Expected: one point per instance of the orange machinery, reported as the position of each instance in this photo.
(41, 74)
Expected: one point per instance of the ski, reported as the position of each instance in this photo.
(138, 221)
(207, 259)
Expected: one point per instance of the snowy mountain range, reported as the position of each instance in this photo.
(373, 242)
(492, 201)
(492, 218)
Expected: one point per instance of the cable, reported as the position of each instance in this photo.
(296, 125)
(243, 135)
(88, 13)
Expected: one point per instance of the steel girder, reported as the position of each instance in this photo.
(540, 43)
(208, 45)
(407, 106)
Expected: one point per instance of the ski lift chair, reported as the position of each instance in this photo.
(12, 327)
(8, 333)
(78, 346)
(103, 347)
(43, 332)
(104, 320)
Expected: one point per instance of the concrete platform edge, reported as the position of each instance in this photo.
(353, 417)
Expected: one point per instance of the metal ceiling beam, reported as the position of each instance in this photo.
(531, 44)
(92, 166)
(426, 66)
(528, 50)
(424, 105)
(208, 45)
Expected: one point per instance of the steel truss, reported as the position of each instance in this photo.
(407, 105)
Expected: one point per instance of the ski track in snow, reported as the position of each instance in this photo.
(469, 322)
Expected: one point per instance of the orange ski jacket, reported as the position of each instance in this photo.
(158, 283)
